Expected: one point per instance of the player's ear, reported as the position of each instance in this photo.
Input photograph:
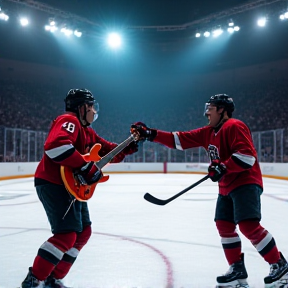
(220, 110)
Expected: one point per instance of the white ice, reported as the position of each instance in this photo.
(136, 244)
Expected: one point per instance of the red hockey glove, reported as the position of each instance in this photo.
(216, 170)
(143, 131)
(88, 174)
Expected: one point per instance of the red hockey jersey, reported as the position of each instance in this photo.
(232, 144)
(66, 141)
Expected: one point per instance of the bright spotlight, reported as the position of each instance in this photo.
(262, 22)
(286, 15)
(282, 17)
(217, 32)
(230, 23)
(236, 28)
(3, 16)
(230, 29)
(114, 40)
(66, 31)
(206, 34)
(77, 33)
(53, 29)
(24, 21)
(197, 35)
(50, 28)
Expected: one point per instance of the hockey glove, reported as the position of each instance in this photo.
(88, 174)
(143, 131)
(216, 170)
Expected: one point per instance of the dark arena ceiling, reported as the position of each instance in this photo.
(156, 27)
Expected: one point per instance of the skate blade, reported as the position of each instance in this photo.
(281, 283)
(238, 286)
(234, 284)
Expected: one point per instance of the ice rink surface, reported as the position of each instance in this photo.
(136, 244)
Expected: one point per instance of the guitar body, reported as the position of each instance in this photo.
(79, 191)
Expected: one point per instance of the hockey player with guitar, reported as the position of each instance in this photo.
(65, 179)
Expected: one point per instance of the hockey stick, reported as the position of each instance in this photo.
(154, 200)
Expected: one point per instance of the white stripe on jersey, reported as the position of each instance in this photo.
(247, 159)
(177, 141)
(55, 152)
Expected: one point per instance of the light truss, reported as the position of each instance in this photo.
(215, 16)
(228, 13)
(53, 11)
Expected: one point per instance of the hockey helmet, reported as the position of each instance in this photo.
(79, 97)
(221, 101)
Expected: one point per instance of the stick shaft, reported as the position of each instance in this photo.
(154, 200)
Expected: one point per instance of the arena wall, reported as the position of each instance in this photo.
(24, 169)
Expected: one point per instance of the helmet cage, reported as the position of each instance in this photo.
(77, 98)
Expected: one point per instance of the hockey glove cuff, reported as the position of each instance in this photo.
(216, 170)
(143, 131)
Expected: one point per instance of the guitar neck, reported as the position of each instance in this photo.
(108, 157)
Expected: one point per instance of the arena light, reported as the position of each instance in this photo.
(217, 32)
(198, 34)
(66, 31)
(52, 22)
(78, 33)
(3, 16)
(50, 28)
(230, 23)
(206, 34)
(283, 16)
(262, 22)
(230, 30)
(114, 40)
(236, 28)
(24, 22)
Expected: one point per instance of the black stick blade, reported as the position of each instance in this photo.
(150, 198)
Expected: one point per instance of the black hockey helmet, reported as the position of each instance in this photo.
(222, 101)
(78, 97)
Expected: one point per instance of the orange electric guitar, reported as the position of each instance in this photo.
(79, 188)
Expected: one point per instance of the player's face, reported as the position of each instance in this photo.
(213, 115)
(91, 113)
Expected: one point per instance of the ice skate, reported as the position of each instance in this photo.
(51, 282)
(278, 273)
(31, 281)
(281, 283)
(235, 277)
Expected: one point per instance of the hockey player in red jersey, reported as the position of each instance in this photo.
(235, 167)
(69, 137)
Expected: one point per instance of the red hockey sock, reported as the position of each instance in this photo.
(230, 240)
(50, 254)
(262, 240)
(70, 256)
